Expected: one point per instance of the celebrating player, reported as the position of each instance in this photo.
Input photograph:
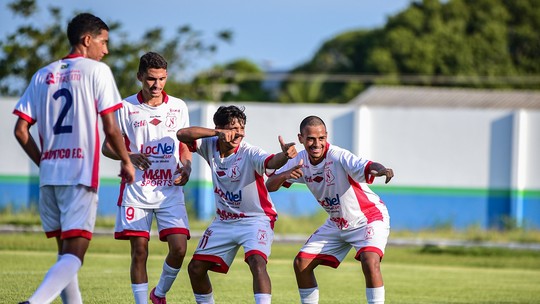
(357, 217)
(149, 120)
(245, 213)
(65, 98)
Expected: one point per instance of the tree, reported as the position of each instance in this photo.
(30, 48)
(474, 43)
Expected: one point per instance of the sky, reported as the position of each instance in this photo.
(276, 34)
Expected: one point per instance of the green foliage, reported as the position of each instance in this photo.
(479, 44)
(30, 48)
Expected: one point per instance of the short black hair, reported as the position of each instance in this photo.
(227, 114)
(151, 60)
(311, 121)
(83, 24)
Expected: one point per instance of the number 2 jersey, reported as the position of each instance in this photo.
(238, 180)
(339, 183)
(152, 131)
(65, 98)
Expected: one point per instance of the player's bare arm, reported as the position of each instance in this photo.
(275, 181)
(288, 151)
(379, 170)
(190, 134)
(114, 138)
(27, 142)
(185, 170)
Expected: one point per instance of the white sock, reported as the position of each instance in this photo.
(56, 279)
(71, 293)
(168, 275)
(309, 295)
(140, 293)
(204, 298)
(263, 298)
(375, 295)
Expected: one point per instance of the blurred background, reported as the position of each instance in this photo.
(447, 93)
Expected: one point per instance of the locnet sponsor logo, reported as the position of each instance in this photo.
(161, 150)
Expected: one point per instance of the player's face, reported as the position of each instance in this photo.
(97, 46)
(314, 140)
(240, 130)
(153, 82)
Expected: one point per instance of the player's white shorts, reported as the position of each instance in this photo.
(221, 240)
(68, 211)
(134, 221)
(331, 244)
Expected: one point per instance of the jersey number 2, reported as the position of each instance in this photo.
(58, 127)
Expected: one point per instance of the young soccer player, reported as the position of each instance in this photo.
(357, 217)
(245, 213)
(65, 98)
(149, 121)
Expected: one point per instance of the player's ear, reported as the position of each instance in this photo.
(85, 40)
(139, 76)
(300, 138)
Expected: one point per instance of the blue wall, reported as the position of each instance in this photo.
(410, 208)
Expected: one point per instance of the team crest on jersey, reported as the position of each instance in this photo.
(50, 79)
(234, 172)
(171, 121)
(64, 66)
(329, 177)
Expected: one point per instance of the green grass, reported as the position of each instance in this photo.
(411, 274)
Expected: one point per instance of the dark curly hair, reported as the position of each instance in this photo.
(151, 60)
(226, 114)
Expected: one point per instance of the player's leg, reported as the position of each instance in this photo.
(324, 247)
(138, 273)
(173, 228)
(200, 281)
(370, 242)
(256, 238)
(68, 212)
(71, 293)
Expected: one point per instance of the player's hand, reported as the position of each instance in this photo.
(226, 135)
(288, 149)
(127, 172)
(296, 171)
(140, 161)
(184, 172)
(380, 170)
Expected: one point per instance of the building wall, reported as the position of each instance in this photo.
(454, 167)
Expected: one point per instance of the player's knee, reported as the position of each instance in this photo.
(195, 268)
(257, 263)
(371, 263)
(178, 252)
(299, 265)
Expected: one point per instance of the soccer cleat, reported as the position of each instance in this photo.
(155, 299)
(25, 302)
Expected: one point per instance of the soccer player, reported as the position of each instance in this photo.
(245, 212)
(357, 217)
(65, 98)
(149, 121)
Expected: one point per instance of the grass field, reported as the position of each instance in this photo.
(412, 274)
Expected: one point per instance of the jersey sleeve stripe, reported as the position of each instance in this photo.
(24, 116)
(111, 109)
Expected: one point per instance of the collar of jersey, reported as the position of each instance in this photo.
(165, 97)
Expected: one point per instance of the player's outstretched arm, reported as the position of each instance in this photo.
(27, 142)
(190, 134)
(377, 169)
(275, 181)
(288, 151)
(114, 138)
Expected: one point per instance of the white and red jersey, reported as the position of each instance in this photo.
(339, 183)
(64, 98)
(238, 180)
(152, 131)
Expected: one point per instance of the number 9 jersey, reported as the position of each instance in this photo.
(65, 98)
